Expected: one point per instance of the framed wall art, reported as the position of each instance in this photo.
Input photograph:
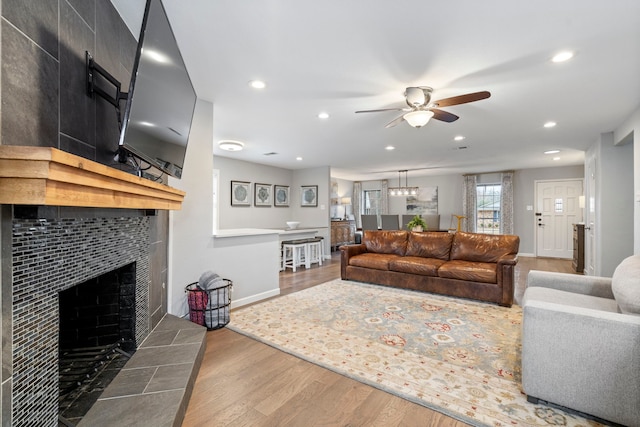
(309, 196)
(281, 195)
(240, 194)
(262, 195)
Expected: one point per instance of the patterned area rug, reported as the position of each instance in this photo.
(458, 357)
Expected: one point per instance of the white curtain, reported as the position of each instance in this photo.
(469, 202)
(384, 196)
(506, 204)
(356, 201)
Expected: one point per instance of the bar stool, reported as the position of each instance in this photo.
(294, 253)
(314, 251)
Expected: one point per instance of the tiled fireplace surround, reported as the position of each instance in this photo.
(50, 255)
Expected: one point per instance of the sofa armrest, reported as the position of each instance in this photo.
(346, 252)
(587, 285)
(505, 276)
(511, 259)
(582, 358)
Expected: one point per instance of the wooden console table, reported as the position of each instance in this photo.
(342, 233)
(578, 248)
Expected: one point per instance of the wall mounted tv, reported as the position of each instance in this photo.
(161, 99)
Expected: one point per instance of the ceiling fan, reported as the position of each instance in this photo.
(421, 109)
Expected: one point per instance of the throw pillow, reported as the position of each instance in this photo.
(625, 285)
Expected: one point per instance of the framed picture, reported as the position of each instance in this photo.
(240, 193)
(281, 195)
(309, 196)
(262, 195)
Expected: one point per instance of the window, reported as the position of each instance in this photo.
(488, 208)
(371, 205)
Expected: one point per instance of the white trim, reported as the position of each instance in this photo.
(254, 298)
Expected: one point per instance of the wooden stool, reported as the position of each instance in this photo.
(294, 253)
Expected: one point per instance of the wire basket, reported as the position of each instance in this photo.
(209, 307)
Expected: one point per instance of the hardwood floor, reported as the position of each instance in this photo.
(246, 383)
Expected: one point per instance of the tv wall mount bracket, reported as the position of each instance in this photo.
(93, 68)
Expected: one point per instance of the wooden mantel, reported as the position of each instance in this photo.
(48, 176)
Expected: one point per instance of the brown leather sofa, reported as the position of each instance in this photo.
(467, 265)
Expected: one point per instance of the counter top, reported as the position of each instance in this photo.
(241, 232)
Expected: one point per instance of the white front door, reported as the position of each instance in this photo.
(557, 209)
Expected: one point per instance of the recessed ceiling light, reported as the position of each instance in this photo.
(149, 124)
(229, 145)
(389, 148)
(299, 158)
(458, 138)
(257, 84)
(551, 151)
(556, 158)
(550, 124)
(562, 56)
(323, 115)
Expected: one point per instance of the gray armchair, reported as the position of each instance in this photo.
(581, 342)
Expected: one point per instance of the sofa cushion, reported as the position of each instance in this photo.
(483, 247)
(385, 241)
(468, 270)
(416, 265)
(625, 285)
(373, 260)
(430, 245)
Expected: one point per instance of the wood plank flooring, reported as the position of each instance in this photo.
(246, 383)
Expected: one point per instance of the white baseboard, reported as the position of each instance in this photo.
(525, 254)
(255, 298)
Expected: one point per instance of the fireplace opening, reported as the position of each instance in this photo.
(96, 337)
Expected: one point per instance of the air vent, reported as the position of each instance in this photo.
(273, 153)
(462, 147)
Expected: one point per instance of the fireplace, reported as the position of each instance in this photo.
(55, 250)
(99, 312)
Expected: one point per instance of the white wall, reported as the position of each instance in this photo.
(190, 239)
(629, 133)
(614, 205)
(271, 217)
(311, 216)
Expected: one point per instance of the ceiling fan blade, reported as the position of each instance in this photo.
(382, 109)
(394, 122)
(462, 99)
(443, 115)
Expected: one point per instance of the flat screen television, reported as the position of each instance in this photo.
(161, 99)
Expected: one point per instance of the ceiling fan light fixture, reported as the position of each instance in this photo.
(418, 118)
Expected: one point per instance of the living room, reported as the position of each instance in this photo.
(45, 105)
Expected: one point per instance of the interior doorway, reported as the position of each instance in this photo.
(557, 209)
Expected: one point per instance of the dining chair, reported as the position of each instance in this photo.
(390, 222)
(369, 222)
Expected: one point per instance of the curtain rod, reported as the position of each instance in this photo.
(487, 173)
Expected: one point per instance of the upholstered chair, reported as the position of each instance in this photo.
(581, 342)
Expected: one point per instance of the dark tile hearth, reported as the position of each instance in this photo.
(75, 404)
(154, 386)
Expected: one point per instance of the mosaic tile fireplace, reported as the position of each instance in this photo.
(52, 255)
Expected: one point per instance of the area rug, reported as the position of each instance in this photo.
(455, 356)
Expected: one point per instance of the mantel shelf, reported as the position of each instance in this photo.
(48, 176)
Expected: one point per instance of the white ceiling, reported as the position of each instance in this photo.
(340, 56)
